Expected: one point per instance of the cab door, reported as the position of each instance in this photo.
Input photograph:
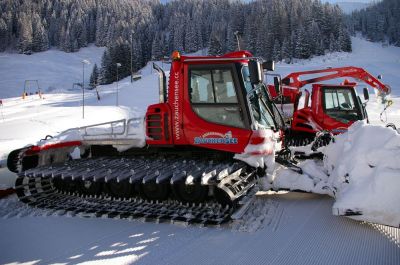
(214, 115)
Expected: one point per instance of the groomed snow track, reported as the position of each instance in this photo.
(123, 188)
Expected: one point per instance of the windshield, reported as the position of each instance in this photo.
(259, 103)
(340, 105)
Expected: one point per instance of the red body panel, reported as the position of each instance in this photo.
(312, 119)
(158, 129)
(36, 149)
(293, 82)
(293, 79)
(186, 127)
(289, 93)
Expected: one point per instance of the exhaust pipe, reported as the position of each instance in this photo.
(162, 83)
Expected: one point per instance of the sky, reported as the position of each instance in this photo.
(330, 1)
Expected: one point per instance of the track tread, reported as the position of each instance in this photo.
(36, 188)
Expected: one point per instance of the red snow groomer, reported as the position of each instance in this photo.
(329, 107)
(213, 108)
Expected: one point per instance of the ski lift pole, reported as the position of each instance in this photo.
(85, 61)
(97, 93)
(1, 106)
(118, 66)
(236, 33)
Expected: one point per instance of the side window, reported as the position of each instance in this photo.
(338, 100)
(213, 96)
(201, 88)
(224, 88)
(331, 101)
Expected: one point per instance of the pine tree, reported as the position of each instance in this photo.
(25, 35)
(346, 44)
(191, 44)
(231, 41)
(277, 51)
(3, 35)
(334, 45)
(156, 52)
(379, 21)
(178, 36)
(106, 68)
(314, 33)
(250, 37)
(286, 51)
(94, 77)
(320, 47)
(261, 48)
(137, 55)
(189, 25)
(215, 47)
(302, 47)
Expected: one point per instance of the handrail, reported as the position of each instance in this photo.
(85, 130)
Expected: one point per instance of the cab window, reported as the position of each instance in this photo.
(339, 104)
(213, 96)
(338, 99)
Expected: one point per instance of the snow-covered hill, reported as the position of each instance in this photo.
(55, 70)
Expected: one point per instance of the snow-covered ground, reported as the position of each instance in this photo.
(55, 70)
(297, 228)
(281, 229)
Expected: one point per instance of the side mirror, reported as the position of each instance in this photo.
(366, 93)
(277, 85)
(269, 65)
(256, 72)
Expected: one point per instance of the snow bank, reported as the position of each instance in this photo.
(364, 170)
(314, 179)
(361, 170)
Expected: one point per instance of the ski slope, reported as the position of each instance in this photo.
(297, 228)
(55, 70)
(281, 228)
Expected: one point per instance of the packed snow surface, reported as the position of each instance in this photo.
(291, 228)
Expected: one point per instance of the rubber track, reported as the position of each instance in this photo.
(35, 187)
